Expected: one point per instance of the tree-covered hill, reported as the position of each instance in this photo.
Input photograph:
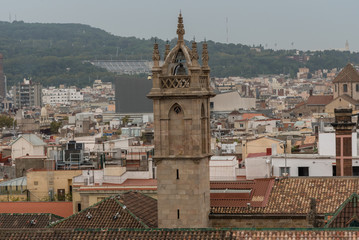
(55, 54)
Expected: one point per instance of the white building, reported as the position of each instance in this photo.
(64, 96)
(223, 168)
(295, 165)
(312, 165)
(27, 144)
(326, 144)
(258, 167)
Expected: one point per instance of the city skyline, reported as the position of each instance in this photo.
(280, 24)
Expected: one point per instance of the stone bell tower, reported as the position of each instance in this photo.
(181, 94)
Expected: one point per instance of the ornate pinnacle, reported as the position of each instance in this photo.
(205, 56)
(167, 50)
(156, 55)
(180, 28)
(194, 54)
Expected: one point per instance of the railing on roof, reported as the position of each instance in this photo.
(175, 82)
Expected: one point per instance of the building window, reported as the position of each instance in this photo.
(303, 171)
(357, 87)
(355, 171)
(334, 170)
(178, 214)
(345, 88)
(177, 174)
(284, 171)
(79, 207)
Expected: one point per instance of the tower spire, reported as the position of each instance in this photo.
(156, 55)
(167, 50)
(205, 56)
(180, 28)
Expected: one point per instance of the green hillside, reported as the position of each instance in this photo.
(54, 54)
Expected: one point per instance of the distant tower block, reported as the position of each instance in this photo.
(2, 79)
(347, 46)
(344, 127)
(181, 92)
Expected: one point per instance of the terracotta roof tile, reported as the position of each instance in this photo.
(142, 206)
(292, 196)
(348, 74)
(180, 234)
(32, 220)
(257, 197)
(128, 210)
(246, 116)
(319, 99)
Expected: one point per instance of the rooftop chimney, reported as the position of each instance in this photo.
(344, 127)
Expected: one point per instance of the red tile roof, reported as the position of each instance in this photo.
(63, 209)
(180, 234)
(348, 74)
(127, 210)
(246, 116)
(319, 99)
(292, 196)
(27, 220)
(258, 196)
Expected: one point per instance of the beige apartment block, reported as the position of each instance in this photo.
(43, 184)
(260, 145)
(181, 94)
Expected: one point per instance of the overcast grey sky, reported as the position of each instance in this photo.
(309, 24)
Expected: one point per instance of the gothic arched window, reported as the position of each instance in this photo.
(180, 68)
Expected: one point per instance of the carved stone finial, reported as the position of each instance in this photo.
(167, 50)
(205, 56)
(180, 28)
(194, 53)
(156, 55)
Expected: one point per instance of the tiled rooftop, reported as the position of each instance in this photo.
(319, 99)
(257, 197)
(27, 220)
(142, 206)
(179, 234)
(292, 196)
(348, 74)
(128, 210)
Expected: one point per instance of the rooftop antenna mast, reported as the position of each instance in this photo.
(227, 29)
